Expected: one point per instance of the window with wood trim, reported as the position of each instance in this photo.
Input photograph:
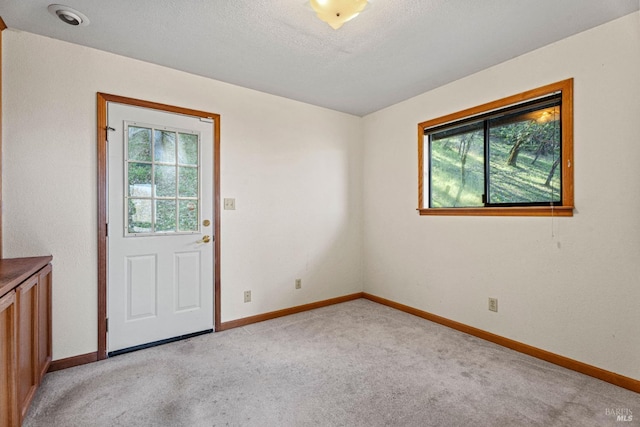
(512, 157)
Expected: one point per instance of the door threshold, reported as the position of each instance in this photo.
(157, 343)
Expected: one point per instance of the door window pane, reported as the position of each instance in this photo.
(139, 213)
(165, 181)
(164, 147)
(188, 182)
(139, 144)
(139, 176)
(188, 215)
(187, 149)
(165, 215)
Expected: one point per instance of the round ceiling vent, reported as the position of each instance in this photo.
(68, 15)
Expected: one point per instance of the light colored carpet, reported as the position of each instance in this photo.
(352, 364)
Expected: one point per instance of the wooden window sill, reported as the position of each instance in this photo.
(501, 211)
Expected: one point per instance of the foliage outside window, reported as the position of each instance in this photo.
(508, 157)
(162, 180)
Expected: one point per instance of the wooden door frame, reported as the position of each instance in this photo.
(3, 27)
(103, 99)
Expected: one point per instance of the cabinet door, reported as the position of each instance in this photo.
(44, 321)
(8, 347)
(28, 375)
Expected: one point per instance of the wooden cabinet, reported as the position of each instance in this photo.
(27, 304)
(8, 363)
(25, 333)
(44, 321)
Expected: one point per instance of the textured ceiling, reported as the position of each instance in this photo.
(394, 50)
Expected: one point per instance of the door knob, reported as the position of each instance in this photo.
(205, 239)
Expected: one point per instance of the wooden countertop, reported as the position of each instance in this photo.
(14, 271)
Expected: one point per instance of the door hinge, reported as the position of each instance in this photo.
(107, 324)
(106, 230)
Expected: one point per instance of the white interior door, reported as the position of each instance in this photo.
(160, 232)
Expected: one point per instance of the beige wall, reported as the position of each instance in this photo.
(294, 169)
(319, 193)
(567, 285)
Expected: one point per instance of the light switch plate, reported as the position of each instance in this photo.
(229, 204)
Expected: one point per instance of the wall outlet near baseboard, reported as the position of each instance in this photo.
(493, 304)
(298, 283)
(247, 296)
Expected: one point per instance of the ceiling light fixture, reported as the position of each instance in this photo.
(337, 12)
(68, 15)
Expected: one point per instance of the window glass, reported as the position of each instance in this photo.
(187, 149)
(457, 166)
(165, 181)
(524, 156)
(188, 215)
(188, 181)
(139, 179)
(520, 145)
(139, 216)
(139, 144)
(165, 218)
(164, 147)
(162, 180)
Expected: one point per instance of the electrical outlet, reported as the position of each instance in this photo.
(247, 296)
(493, 304)
(298, 283)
